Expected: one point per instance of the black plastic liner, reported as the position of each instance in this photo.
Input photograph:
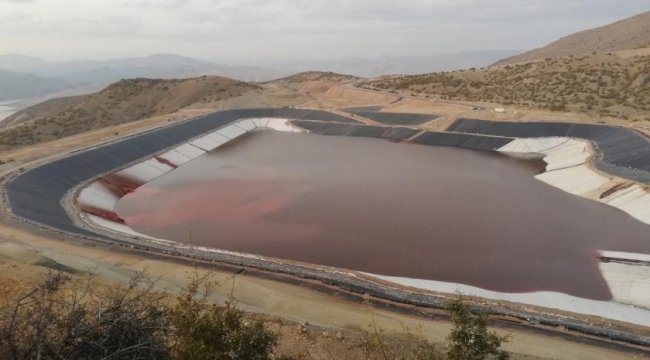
(36, 195)
(623, 152)
(390, 118)
(476, 142)
(322, 128)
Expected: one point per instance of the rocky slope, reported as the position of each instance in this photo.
(630, 33)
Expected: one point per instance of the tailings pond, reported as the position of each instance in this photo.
(397, 209)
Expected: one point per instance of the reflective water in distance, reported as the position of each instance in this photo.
(436, 213)
(6, 111)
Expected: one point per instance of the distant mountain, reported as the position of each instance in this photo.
(19, 86)
(627, 34)
(155, 66)
(80, 77)
(404, 65)
(21, 63)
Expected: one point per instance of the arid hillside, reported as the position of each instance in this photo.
(316, 76)
(313, 83)
(599, 85)
(44, 109)
(121, 102)
(630, 33)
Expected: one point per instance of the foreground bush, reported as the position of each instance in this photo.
(470, 338)
(55, 322)
(203, 330)
(61, 319)
(48, 323)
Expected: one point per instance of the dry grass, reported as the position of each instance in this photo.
(316, 76)
(597, 85)
(123, 102)
(627, 34)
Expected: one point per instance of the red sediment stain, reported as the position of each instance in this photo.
(115, 190)
(125, 184)
(102, 213)
(164, 161)
(226, 200)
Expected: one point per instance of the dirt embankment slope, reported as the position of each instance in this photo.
(315, 82)
(630, 33)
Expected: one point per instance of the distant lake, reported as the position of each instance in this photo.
(6, 111)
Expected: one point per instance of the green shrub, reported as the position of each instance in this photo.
(470, 338)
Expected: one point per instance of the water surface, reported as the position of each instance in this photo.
(436, 213)
(6, 111)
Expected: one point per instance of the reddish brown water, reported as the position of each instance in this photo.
(406, 210)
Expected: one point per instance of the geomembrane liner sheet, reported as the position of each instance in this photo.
(625, 153)
(389, 118)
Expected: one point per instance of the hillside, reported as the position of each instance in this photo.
(316, 76)
(122, 102)
(399, 64)
(15, 86)
(630, 33)
(43, 109)
(600, 85)
(313, 82)
(111, 70)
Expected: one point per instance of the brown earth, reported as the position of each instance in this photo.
(604, 88)
(311, 76)
(43, 110)
(630, 33)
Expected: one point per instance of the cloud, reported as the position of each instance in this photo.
(160, 4)
(244, 28)
(106, 26)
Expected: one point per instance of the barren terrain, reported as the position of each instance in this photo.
(122, 102)
(630, 33)
(605, 88)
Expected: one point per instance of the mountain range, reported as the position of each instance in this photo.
(24, 77)
(34, 79)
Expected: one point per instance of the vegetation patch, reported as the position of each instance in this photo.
(66, 317)
(599, 85)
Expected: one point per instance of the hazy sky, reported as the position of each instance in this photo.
(226, 30)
